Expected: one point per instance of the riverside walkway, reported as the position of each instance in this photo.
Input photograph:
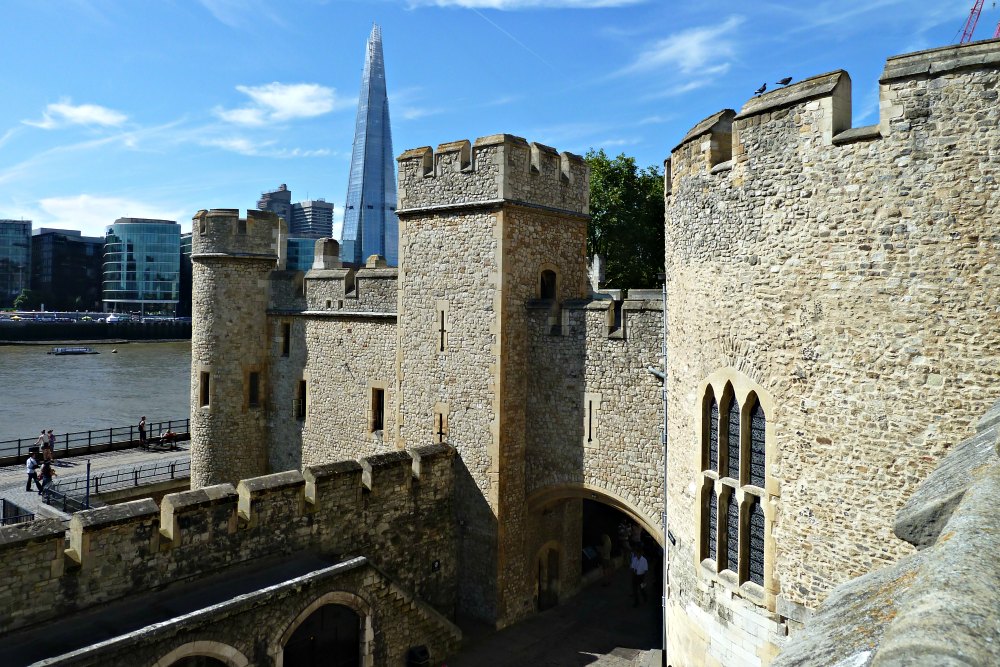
(13, 476)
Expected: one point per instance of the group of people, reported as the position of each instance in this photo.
(40, 462)
(630, 544)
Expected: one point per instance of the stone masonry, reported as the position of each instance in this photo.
(847, 276)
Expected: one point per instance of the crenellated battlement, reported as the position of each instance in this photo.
(813, 117)
(138, 546)
(221, 231)
(500, 167)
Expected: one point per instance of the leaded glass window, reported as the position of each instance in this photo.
(756, 550)
(732, 534)
(713, 435)
(757, 461)
(733, 439)
(713, 524)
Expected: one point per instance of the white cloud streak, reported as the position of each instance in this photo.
(64, 113)
(696, 51)
(92, 213)
(245, 146)
(279, 102)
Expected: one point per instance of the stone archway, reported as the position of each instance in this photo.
(341, 604)
(214, 652)
(539, 498)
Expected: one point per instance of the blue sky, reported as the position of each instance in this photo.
(157, 108)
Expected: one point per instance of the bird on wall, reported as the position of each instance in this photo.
(784, 82)
(760, 90)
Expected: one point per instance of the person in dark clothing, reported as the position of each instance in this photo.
(142, 431)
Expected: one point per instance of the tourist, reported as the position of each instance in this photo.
(605, 552)
(31, 467)
(49, 449)
(41, 441)
(142, 432)
(639, 568)
(47, 474)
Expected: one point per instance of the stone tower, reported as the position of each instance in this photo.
(232, 258)
(484, 228)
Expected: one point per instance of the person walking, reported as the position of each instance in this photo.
(47, 474)
(31, 467)
(605, 552)
(639, 568)
(48, 449)
(142, 432)
(41, 441)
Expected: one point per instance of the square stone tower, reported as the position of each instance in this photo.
(484, 228)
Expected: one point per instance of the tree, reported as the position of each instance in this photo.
(626, 226)
(26, 300)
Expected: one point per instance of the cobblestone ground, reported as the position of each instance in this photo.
(13, 478)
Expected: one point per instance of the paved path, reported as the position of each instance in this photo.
(597, 627)
(13, 477)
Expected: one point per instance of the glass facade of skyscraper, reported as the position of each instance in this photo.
(300, 254)
(370, 223)
(15, 259)
(142, 266)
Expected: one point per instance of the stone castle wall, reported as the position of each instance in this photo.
(478, 225)
(395, 509)
(849, 274)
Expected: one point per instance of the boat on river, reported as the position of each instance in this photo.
(73, 350)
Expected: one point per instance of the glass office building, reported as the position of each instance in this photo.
(370, 223)
(300, 254)
(67, 269)
(15, 259)
(142, 266)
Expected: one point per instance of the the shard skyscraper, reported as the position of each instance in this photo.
(370, 223)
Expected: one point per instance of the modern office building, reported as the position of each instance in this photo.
(15, 259)
(370, 223)
(311, 219)
(299, 254)
(142, 260)
(184, 296)
(277, 201)
(67, 269)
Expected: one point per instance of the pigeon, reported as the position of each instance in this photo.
(784, 82)
(760, 90)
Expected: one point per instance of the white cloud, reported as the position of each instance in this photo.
(244, 146)
(525, 4)
(413, 113)
(91, 214)
(241, 13)
(276, 102)
(64, 113)
(695, 51)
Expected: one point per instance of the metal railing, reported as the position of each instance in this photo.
(76, 494)
(82, 442)
(13, 513)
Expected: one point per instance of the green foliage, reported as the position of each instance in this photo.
(26, 300)
(626, 227)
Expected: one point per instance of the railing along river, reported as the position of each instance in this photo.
(89, 442)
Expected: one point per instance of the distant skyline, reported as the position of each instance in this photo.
(118, 109)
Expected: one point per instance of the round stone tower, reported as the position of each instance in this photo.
(232, 258)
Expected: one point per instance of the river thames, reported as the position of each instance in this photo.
(94, 391)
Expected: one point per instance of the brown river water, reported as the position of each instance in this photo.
(93, 391)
